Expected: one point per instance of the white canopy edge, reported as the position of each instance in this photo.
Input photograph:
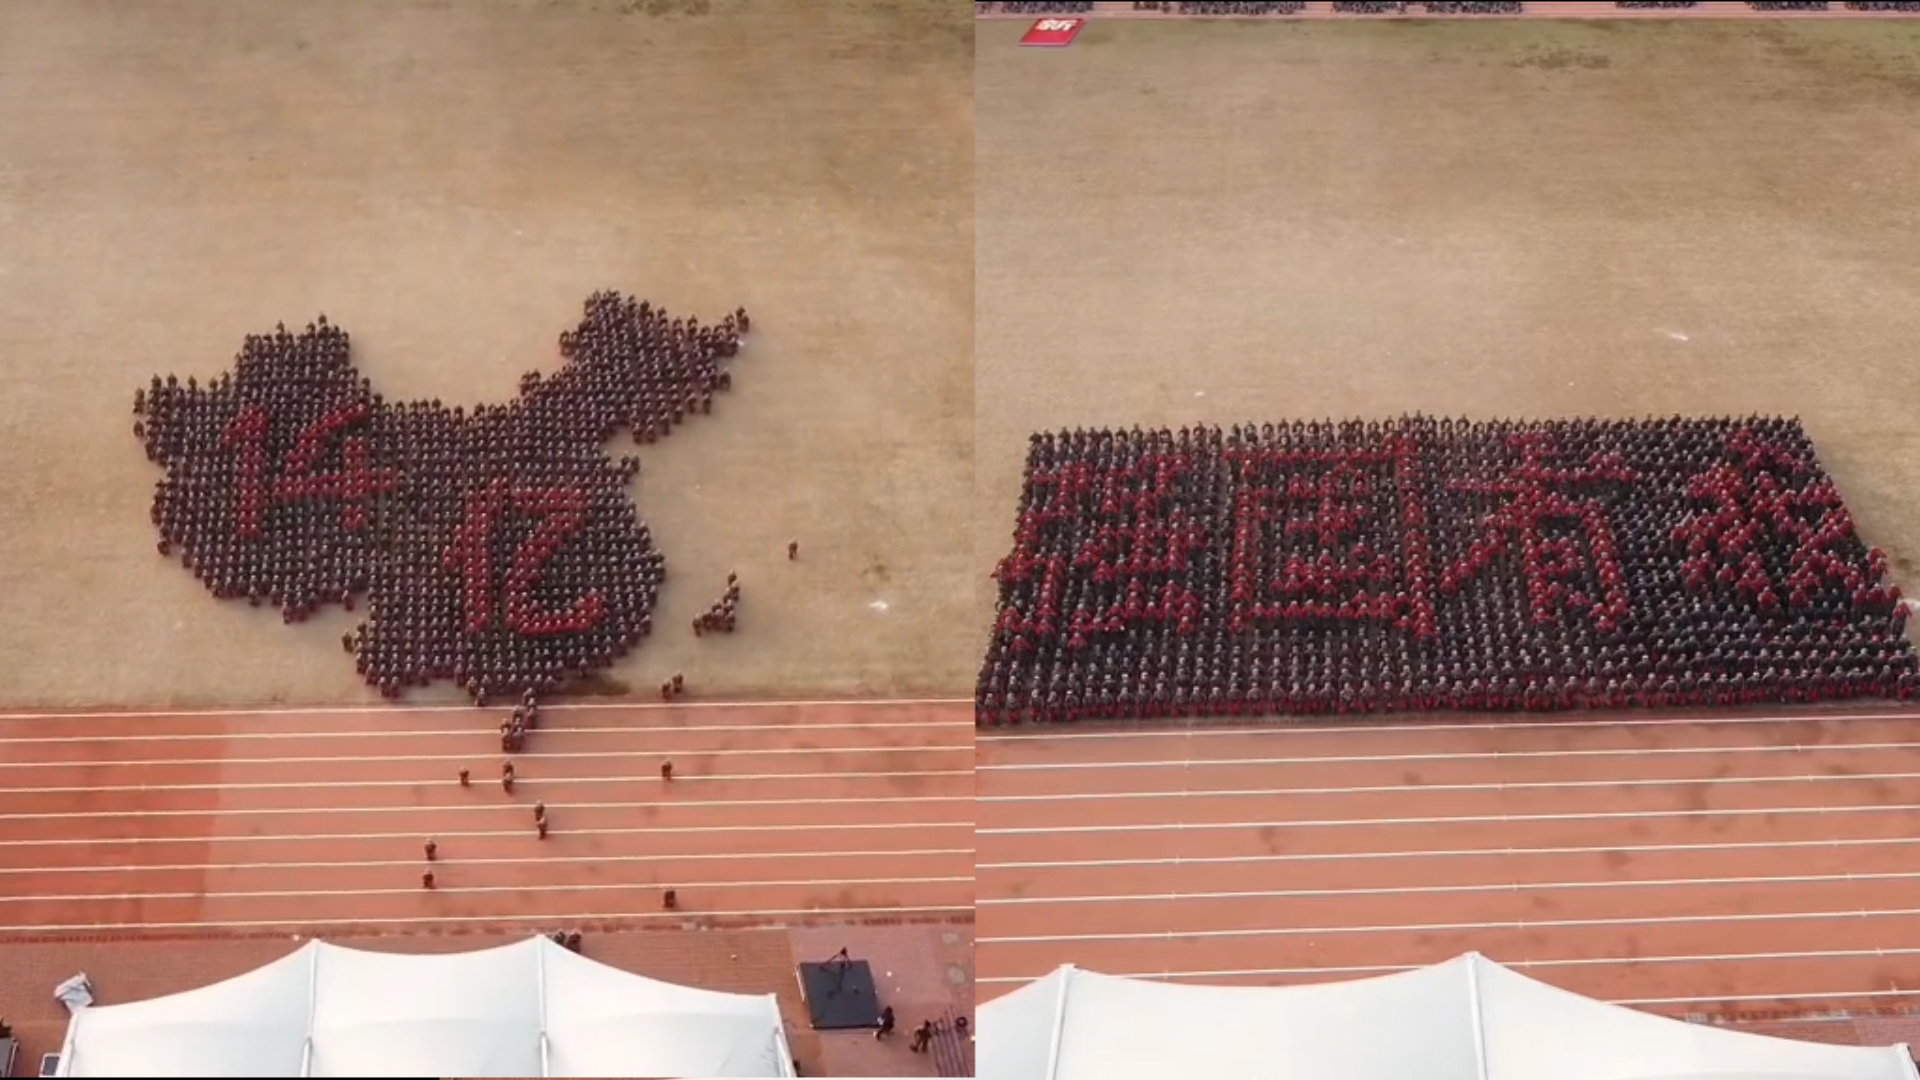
(306, 965)
(1529, 1016)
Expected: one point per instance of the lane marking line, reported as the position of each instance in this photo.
(771, 918)
(382, 864)
(1423, 890)
(414, 836)
(544, 732)
(335, 811)
(577, 755)
(1369, 970)
(543, 782)
(1450, 853)
(1476, 819)
(324, 894)
(1286, 728)
(267, 711)
(1440, 928)
(1483, 755)
(1414, 789)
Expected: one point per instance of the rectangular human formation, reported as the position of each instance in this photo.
(1422, 564)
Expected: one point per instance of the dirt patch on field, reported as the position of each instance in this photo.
(449, 182)
(1190, 222)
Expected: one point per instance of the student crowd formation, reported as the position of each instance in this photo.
(495, 546)
(1435, 564)
(1021, 7)
(1253, 10)
(1361, 7)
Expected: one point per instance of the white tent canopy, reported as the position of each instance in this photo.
(529, 1009)
(1466, 1019)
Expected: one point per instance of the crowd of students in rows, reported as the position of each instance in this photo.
(1425, 564)
(495, 546)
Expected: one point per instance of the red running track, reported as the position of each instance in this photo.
(314, 821)
(1732, 863)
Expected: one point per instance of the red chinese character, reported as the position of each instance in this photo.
(1557, 577)
(1119, 526)
(1359, 551)
(1755, 508)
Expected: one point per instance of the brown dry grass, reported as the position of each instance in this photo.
(449, 181)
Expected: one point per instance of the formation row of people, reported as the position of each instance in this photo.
(723, 614)
(1237, 10)
(1493, 7)
(1432, 563)
(495, 546)
(1035, 7)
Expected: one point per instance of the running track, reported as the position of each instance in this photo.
(314, 820)
(1706, 864)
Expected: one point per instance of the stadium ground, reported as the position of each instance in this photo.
(1259, 221)
(1186, 221)
(448, 182)
(786, 826)
(1691, 863)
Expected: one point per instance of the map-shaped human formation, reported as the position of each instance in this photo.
(1423, 564)
(493, 546)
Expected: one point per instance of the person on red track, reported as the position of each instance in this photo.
(666, 771)
(433, 850)
(426, 880)
(793, 550)
(506, 777)
(466, 778)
